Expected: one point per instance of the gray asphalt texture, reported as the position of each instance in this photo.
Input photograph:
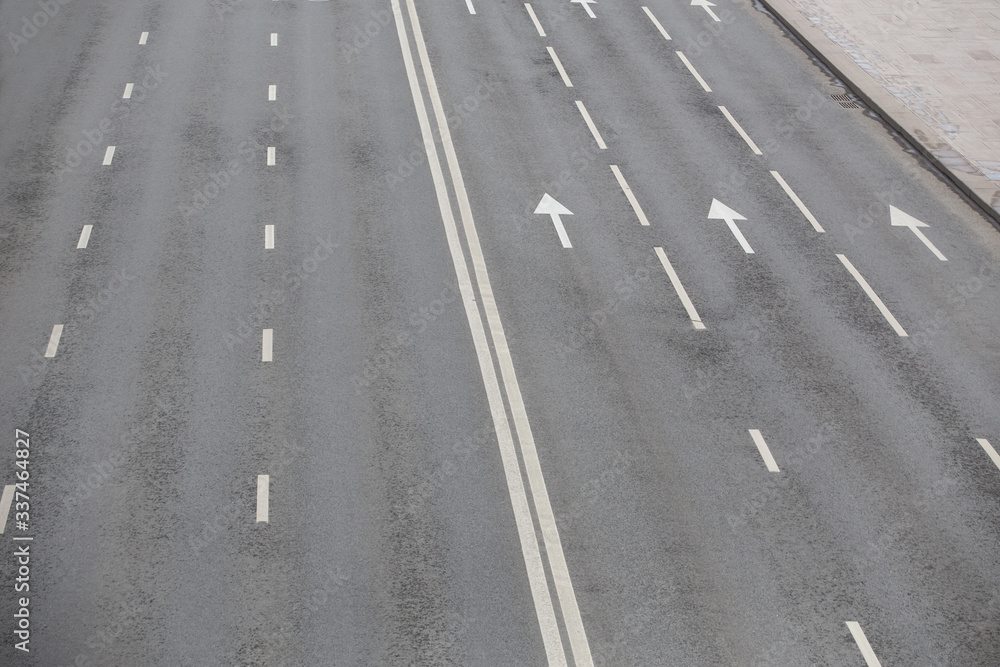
(391, 539)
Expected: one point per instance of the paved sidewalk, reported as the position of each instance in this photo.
(932, 67)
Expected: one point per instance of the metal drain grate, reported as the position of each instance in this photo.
(846, 101)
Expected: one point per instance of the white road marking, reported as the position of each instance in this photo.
(272, 93)
(109, 154)
(84, 236)
(472, 10)
(143, 37)
(746, 137)
(590, 124)
(274, 39)
(586, 5)
(985, 444)
(679, 288)
(765, 453)
(706, 5)
(720, 211)
(50, 351)
(549, 206)
(863, 645)
(268, 237)
(562, 72)
(693, 71)
(534, 19)
(898, 218)
(5, 498)
(263, 491)
(270, 156)
(798, 202)
(548, 625)
(128, 91)
(873, 296)
(266, 344)
(656, 23)
(631, 197)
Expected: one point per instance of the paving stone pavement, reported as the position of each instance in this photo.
(931, 66)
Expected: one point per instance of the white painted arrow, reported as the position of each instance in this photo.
(706, 5)
(720, 211)
(549, 206)
(901, 219)
(586, 5)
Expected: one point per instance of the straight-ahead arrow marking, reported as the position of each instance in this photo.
(706, 5)
(720, 211)
(549, 206)
(586, 5)
(901, 219)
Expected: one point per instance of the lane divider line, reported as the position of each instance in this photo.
(679, 288)
(746, 137)
(765, 453)
(5, 498)
(128, 91)
(687, 63)
(866, 649)
(798, 202)
(590, 123)
(630, 196)
(263, 491)
(472, 10)
(656, 23)
(992, 453)
(268, 237)
(270, 156)
(548, 624)
(109, 155)
(274, 39)
(266, 345)
(272, 92)
(534, 19)
(873, 296)
(54, 337)
(84, 236)
(142, 37)
(559, 66)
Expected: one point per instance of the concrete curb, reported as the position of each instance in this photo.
(973, 183)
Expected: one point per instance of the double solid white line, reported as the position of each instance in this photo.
(548, 624)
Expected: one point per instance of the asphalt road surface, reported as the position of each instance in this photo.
(306, 370)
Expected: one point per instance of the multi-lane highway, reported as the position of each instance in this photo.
(477, 332)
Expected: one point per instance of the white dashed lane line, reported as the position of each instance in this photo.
(263, 491)
(128, 91)
(268, 237)
(272, 93)
(534, 19)
(630, 196)
(562, 72)
(5, 498)
(873, 296)
(863, 645)
(687, 63)
(109, 155)
(50, 351)
(656, 23)
(266, 344)
(590, 124)
(143, 37)
(988, 448)
(765, 453)
(798, 202)
(270, 156)
(679, 288)
(274, 39)
(746, 137)
(84, 236)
